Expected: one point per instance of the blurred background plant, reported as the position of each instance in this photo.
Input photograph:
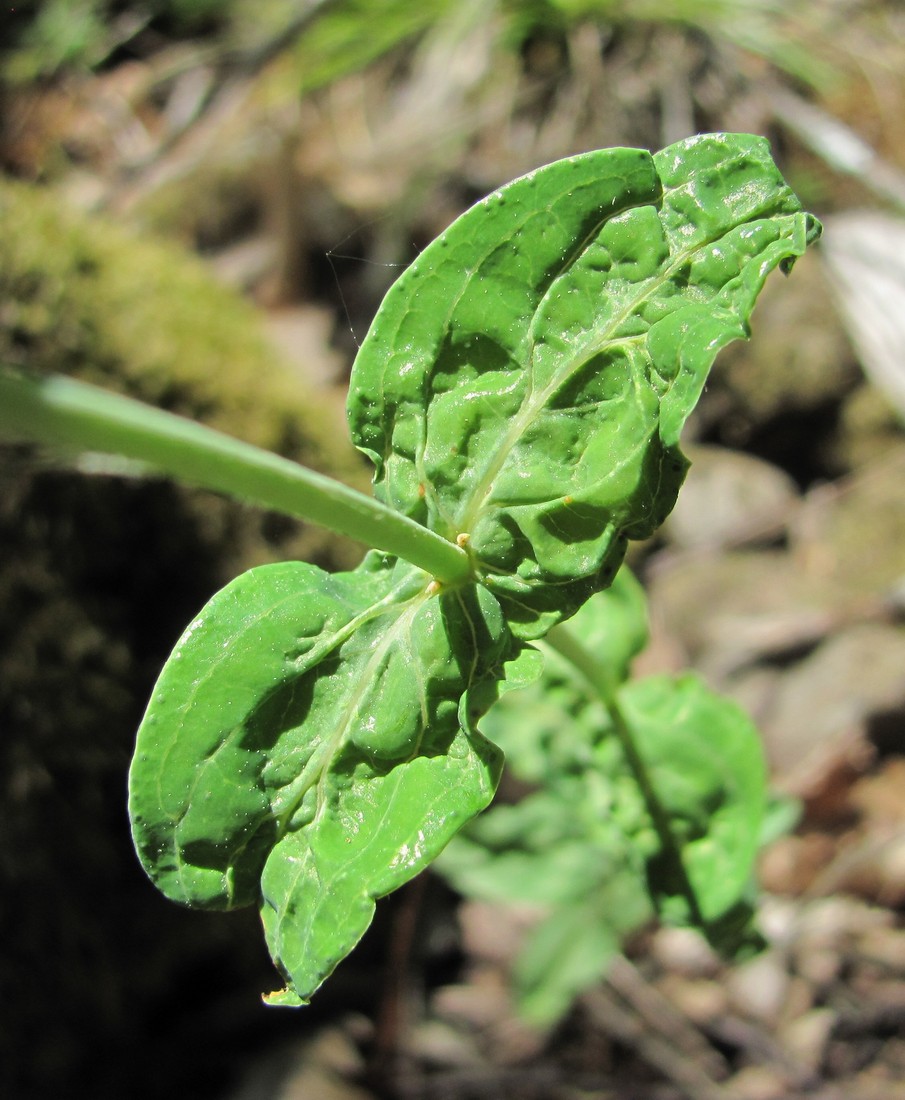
(202, 204)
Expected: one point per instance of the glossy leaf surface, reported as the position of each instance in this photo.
(526, 380)
(309, 747)
(312, 744)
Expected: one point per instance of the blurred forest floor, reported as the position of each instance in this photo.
(306, 152)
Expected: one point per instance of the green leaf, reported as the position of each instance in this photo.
(561, 849)
(585, 845)
(526, 379)
(703, 757)
(706, 765)
(554, 847)
(311, 743)
(347, 37)
(549, 728)
(571, 949)
(613, 625)
(565, 954)
(577, 847)
(310, 746)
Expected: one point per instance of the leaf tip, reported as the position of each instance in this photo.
(284, 998)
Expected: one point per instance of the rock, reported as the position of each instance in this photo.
(869, 428)
(806, 1038)
(885, 947)
(302, 336)
(832, 921)
(873, 870)
(792, 863)
(851, 535)
(758, 1083)
(730, 499)
(822, 705)
(484, 1000)
(880, 798)
(730, 610)
(758, 988)
(684, 951)
(863, 253)
(827, 931)
(701, 1001)
(493, 933)
(79, 295)
(440, 1045)
(323, 1066)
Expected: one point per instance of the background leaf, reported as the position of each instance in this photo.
(584, 846)
(526, 379)
(577, 848)
(552, 727)
(613, 624)
(707, 766)
(570, 951)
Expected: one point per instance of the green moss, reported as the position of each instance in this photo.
(82, 296)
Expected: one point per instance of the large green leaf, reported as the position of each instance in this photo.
(310, 745)
(526, 379)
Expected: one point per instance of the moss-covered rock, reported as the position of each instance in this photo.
(82, 296)
(98, 576)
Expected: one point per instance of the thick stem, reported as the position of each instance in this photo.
(65, 413)
(599, 679)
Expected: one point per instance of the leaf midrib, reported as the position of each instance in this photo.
(478, 503)
(315, 772)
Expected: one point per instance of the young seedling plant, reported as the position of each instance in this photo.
(313, 741)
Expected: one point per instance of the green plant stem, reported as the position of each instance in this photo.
(75, 416)
(599, 679)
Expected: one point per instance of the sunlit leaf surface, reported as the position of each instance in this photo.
(309, 747)
(312, 743)
(526, 380)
